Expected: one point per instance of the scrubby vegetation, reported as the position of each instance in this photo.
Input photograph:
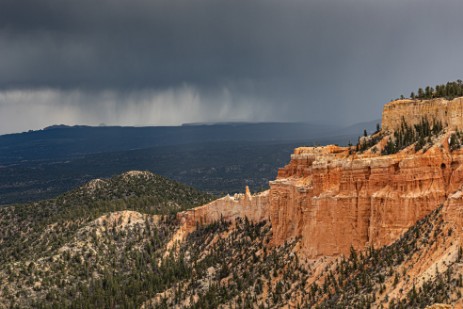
(31, 229)
(236, 267)
(216, 266)
(54, 246)
(361, 279)
(367, 142)
(104, 246)
(420, 134)
(109, 245)
(449, 91)
(455, 140)
(119, 268)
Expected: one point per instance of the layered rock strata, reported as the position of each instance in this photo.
(253, 207)
(332, 199)
(448, 112)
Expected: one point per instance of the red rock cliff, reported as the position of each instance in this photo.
(333, 200)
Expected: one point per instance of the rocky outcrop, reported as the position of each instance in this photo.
(254, 207)
(449, 113)
(439, 306)
(453, 210)
(333, 199)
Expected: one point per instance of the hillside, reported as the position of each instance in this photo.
(386, 199)
(221, 265)
(372, 225)
(51, 246)
(421, 268)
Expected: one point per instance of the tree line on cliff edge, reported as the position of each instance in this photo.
(449, 91)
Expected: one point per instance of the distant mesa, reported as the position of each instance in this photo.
(64, 126)
(232, 123)
(57, 126)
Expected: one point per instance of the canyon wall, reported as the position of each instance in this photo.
(332, 199)
(450, 113)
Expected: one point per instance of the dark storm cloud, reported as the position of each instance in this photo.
(154, 44)
(335, 61)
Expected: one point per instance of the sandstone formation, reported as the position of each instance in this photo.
(254, 207)
(439, 306)
(333, 199)
(450, 113)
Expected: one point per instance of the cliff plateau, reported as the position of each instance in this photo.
(449, 112)
(333, 198)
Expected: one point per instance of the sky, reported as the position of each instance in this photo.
(168, 62)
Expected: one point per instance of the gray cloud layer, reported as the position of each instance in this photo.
(118, 61)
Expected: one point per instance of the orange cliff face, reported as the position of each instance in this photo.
(333, 200)
(254, 207)
(448, 112)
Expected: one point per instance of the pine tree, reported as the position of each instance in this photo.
(420, 93)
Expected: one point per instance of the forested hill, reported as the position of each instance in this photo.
(58, 245)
